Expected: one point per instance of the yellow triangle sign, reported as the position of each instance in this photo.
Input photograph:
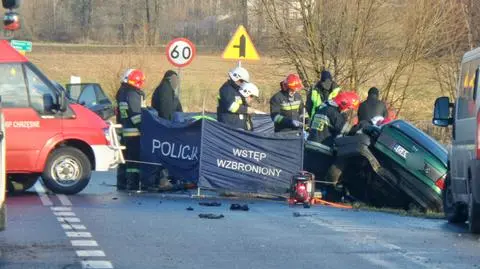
(241, 47)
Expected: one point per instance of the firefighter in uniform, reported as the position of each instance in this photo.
(330, 120)
(232, 108)
(286, 106)
(130, 100)
(325, 89)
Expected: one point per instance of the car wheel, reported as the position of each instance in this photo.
(68, 171)
(454, 212)
(24, 181)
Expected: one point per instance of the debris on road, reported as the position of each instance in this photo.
(211, 216)
(298, 214)
(209, 203)
(239, 207)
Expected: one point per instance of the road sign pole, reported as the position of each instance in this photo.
(179, 82)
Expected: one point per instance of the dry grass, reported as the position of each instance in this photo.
(201, 80)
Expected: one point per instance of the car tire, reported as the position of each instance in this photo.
(24, 181)
(67, 171)
(454, 212)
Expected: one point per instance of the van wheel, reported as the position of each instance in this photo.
(67, 171)
(24, 181)
(454, 212)
(473, 215)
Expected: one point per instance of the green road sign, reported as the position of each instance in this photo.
(21, 45)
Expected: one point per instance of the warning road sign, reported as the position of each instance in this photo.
(241, 47)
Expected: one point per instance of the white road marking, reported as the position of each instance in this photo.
(64, 200)
(90, 253)
(68, 219)
(41, 194)
(73, 227)
(84, 243)
(97, 264)
(78, 234)
(64, 214)
(61, 208)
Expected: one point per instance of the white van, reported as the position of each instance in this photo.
(461, 195)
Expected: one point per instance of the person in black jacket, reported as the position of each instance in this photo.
(286, 106)
(232, 108)
(372, 107)
(130, 99)
(164, 99)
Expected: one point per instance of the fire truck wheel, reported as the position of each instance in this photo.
(67, 171)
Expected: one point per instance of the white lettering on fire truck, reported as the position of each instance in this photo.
(22, 124)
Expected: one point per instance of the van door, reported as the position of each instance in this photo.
(29, 103)
(463, 146)
(92, 96)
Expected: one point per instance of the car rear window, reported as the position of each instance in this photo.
(423, 139)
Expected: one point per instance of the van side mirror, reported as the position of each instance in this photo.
(62, 102)
(442, 112)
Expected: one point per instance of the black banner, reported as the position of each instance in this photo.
(244, 161)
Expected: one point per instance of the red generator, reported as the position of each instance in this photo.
(302, 189)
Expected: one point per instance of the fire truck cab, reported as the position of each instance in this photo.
(48, 136)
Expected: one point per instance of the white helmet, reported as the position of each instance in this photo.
(125, 75)
(248, 89)
(238, 73)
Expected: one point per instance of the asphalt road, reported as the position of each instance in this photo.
(101, 228)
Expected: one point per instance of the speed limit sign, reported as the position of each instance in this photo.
(180, 52)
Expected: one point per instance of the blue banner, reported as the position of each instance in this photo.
(244, 161)
(174, 145)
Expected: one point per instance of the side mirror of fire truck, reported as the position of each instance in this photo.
(62, 102)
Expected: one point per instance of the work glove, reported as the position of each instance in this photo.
(297, 123)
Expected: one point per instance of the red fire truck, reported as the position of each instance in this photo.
(47, 135)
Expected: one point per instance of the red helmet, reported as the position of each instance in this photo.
(293, 83)
(134, 77)
(347, 100)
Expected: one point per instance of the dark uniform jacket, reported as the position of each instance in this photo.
(129, 114)
(232, 106)
(284, 109)
(327, 124)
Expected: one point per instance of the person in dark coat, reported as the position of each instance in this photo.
(325, 89)
(372, 107)
(165, 98)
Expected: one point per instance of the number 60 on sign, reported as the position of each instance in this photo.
(180, 52)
